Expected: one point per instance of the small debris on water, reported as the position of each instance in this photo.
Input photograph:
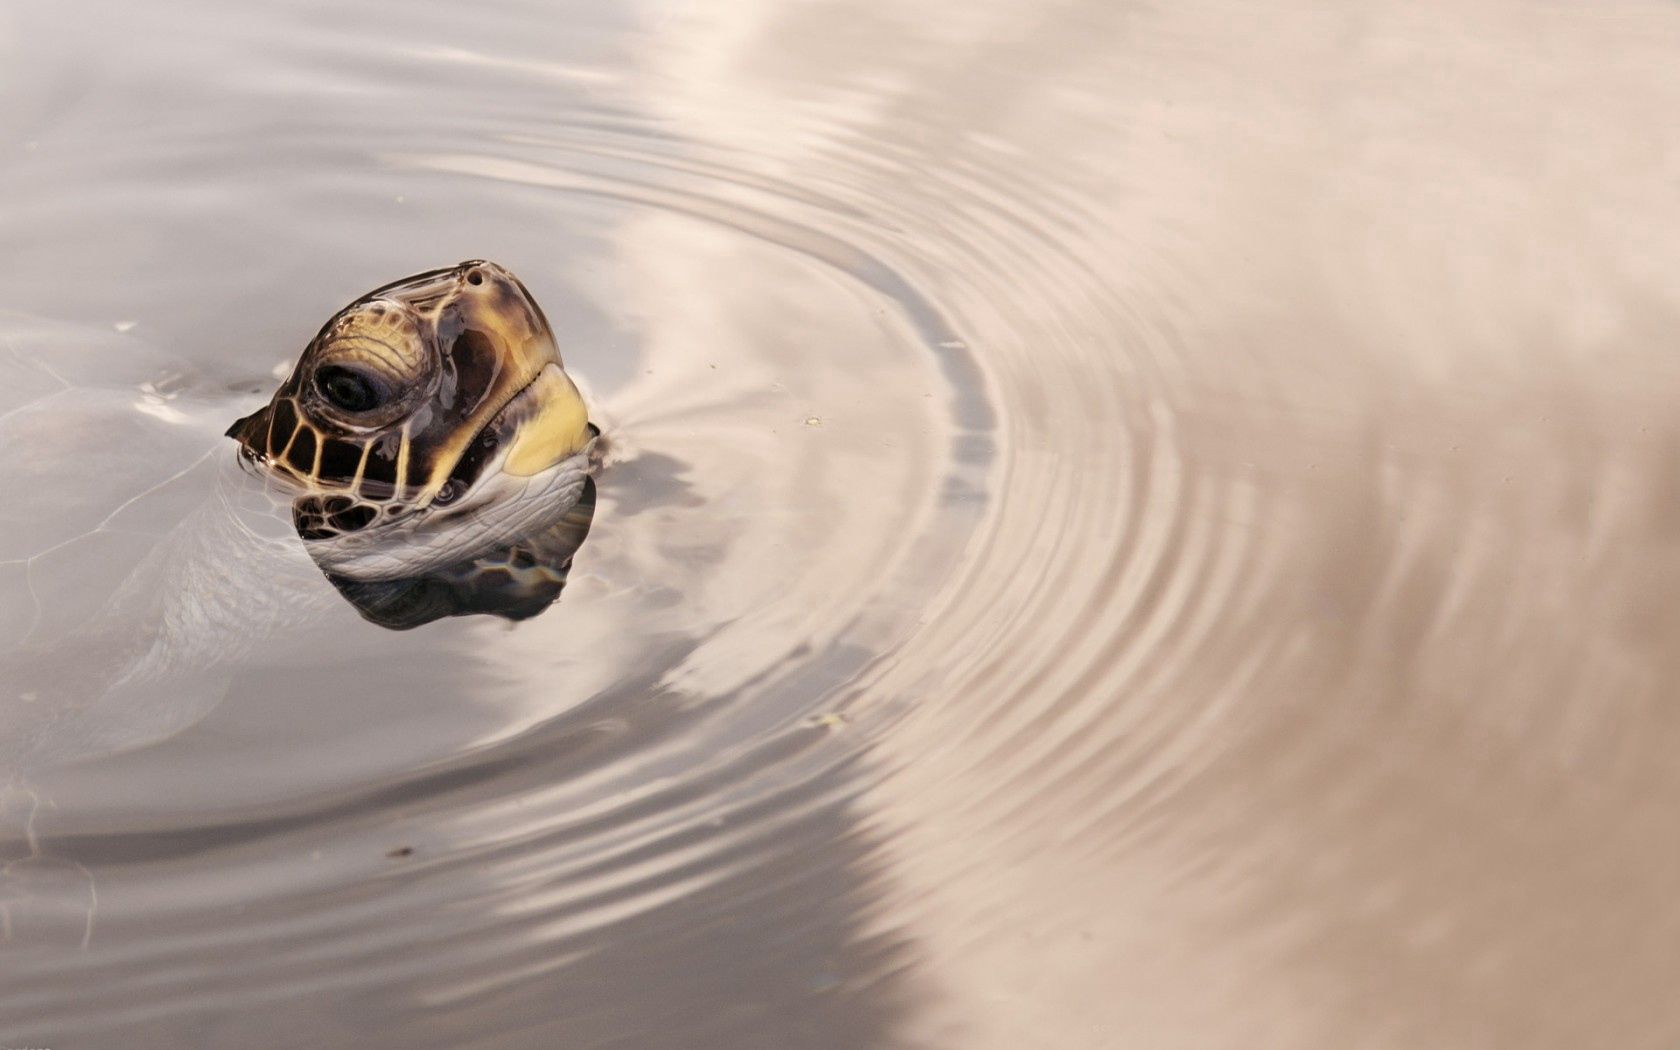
(400, 851)
(954, 344)
(813, 421)
(828, 720)
(125, 326)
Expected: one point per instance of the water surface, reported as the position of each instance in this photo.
(1133, 526)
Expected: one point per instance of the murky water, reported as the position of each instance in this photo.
(1132, 526)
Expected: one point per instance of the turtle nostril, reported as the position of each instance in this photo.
(475, 277)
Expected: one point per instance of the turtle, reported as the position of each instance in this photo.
(428, 455)
(428, 422)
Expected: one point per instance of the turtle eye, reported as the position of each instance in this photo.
(347, 389)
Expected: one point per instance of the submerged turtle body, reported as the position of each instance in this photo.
(143, 562)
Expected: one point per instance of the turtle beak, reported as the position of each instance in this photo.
(536, 414)
(546, 424)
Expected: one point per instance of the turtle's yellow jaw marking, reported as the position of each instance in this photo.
(557, 428)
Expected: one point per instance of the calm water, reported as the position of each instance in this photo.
(1133, 526)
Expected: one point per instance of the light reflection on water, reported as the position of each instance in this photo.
(1131, 526)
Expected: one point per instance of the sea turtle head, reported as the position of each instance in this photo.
(427, 421)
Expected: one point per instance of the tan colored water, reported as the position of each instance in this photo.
(1140, 526)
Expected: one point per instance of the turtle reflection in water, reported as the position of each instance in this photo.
(437, 454)
(516, 581)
